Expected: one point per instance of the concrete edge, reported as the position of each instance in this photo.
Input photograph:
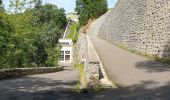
(106, 82)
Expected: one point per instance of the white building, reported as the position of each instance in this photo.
(66, 55)
(73, 16)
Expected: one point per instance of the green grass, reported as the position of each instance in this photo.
(76, 36)
(82, 81)
(72, 31)
(97, 88)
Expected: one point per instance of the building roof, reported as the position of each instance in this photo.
(65, 40)
(73, 16)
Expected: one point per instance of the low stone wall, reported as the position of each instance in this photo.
(80, 49)
(81, 55)
(86, 54)
(16, 72)
(93, 67)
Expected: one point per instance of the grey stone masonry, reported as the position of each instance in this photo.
(92, 69)
(86, 54)
(96, 25)
(141, 25)
(17, 72)
(80, 50)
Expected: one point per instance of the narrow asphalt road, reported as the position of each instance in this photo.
(136, 75)
(52, 86)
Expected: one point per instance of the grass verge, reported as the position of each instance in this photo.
(82, 83)
(72, 31)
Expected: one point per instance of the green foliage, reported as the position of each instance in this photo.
(82, 84)
(20, 6)
(72, 31)
(17, 6)
(30, 39)
(97, 88)
(90, 9)
(53, 55)
(38, 3)
(73, 34)
(1, 6)
(5, 36)
(75, 37)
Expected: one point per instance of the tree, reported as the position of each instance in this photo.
(20, 6)
(14, 6)
(31, 38)
(79, 6)
(38, 3)
(51, 22)
(31, 3)
(1, 6)
(90, 9)
(6, 29)
(0, 2)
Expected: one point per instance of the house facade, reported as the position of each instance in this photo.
(66, 55)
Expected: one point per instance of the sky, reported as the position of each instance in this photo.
(68, 5)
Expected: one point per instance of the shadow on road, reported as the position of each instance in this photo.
(153, 66)
(138, 92)
(36, 88)
(48, 89)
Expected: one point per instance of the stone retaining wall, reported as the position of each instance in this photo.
(80, 49)
(85, 55)
(94, 28)
(16, 72)
(141, 25)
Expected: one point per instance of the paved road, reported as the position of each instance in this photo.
(141, 79)
(134, 73)
(53, 86)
